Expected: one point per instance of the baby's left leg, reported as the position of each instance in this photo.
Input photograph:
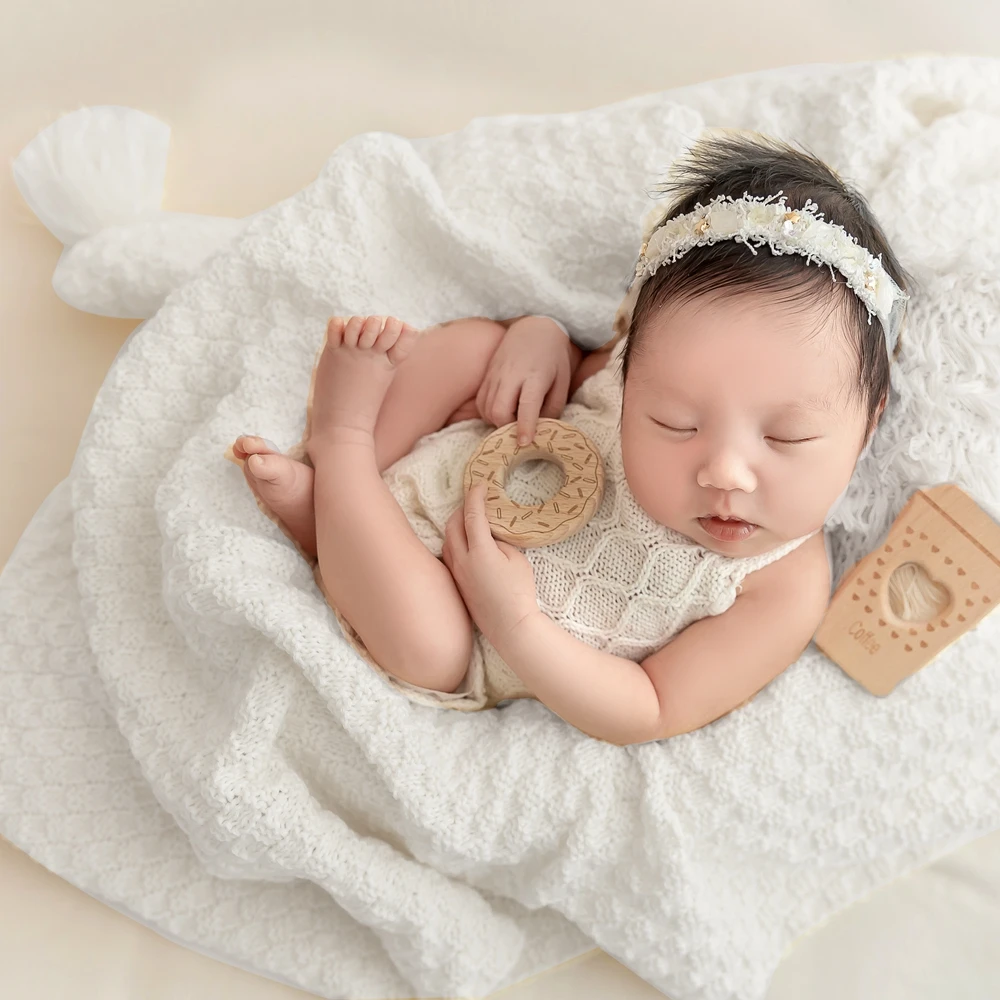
(401, 599)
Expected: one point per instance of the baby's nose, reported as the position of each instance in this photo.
(727, 471)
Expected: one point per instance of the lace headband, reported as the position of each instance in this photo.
(754, 222)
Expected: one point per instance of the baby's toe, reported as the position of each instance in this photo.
(250, 444)
(352, 330)
(389, 334)
(402, 343)
(370, 332)
(274, 469)
(335, 331)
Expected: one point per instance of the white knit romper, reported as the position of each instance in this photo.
(623, 584)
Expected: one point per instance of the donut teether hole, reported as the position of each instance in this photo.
(534, 481)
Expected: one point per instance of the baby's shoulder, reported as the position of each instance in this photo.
(801, 578)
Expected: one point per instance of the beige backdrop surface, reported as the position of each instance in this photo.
(258, 94)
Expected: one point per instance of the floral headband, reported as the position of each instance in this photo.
(754, 222)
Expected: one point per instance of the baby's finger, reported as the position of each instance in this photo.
(528, 408)
(477, 528)
(490, 399)
(454, 533)
(555, 399)
(503, 407)
(483, 396)
(510, 551)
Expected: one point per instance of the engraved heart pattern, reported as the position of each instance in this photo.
(928, 587)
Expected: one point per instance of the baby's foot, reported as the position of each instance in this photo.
(354, 372)
(283, 485)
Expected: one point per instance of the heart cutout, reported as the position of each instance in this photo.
(909, 530)
(877, 575)
(948, 560)
(908, 648)
(871, 593)
(914, 596)
(968, 602)
(888, 548)
(961, 572)
(906, 544)
(880, 561)
(881, 622)
(923, 645)
(961, 618)
(975, 586)
(855, 597)
(934, 548)
(923, 537)
(895, 635)
(868, 610)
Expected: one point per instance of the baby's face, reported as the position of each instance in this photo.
(732, 407)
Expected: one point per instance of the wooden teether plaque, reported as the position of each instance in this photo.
(957, 544)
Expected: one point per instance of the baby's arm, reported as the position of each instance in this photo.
(712, 667)
(533, 372)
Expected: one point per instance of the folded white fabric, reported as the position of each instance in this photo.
(264, 794)
(95, 178)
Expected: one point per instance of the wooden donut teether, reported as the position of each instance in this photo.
(561, 515)
(945, 533)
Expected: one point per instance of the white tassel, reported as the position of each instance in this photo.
(93, 168)
(95, 179)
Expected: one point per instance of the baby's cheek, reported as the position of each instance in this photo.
(654, 480)
(659, 498)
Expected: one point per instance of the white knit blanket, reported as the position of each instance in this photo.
(185, 733)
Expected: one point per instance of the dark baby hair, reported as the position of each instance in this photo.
(743, 163)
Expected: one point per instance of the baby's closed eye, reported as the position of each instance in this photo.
(789, 439)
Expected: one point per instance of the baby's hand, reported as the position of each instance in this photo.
(528, 376)
(494, 578)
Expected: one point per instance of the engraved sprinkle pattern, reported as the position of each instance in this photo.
(561, 515)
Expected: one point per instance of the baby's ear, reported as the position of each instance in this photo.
(881, 407)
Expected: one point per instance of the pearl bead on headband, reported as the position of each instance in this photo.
(754, 222)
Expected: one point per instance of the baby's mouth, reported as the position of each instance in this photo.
(727, 529)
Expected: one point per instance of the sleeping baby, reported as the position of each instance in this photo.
(730, 406)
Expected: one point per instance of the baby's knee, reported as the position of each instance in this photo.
(434, 655)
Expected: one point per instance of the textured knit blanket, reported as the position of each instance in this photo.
(185, 733)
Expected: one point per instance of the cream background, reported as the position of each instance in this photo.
(258, 93)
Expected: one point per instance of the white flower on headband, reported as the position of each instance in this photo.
(759, 221)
